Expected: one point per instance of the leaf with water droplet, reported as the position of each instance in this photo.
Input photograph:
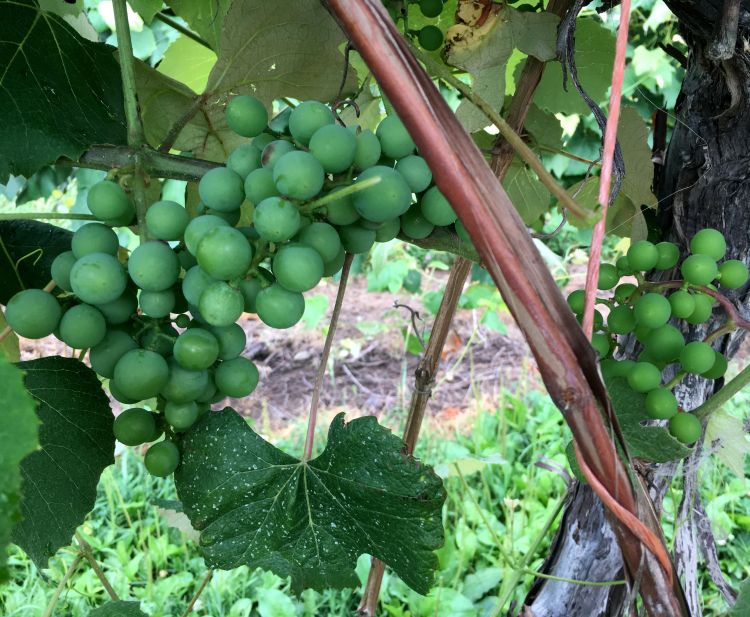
(257, 506)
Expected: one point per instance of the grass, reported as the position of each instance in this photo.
(497, 515)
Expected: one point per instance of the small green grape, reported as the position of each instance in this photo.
(259, 185)
(576, 301)
(107, 200)
(621, 320)
(395, 141)
(685, 427)
(181, 416)
(221, 304)
(332, 267)
(156, 304)
(598, 320)
(718, 369)
(388, 230)
(699, 269)
(703, 309)
(356, 239)
(430, 37)
(222, 189)
(416, 172)
(98, 278)
(246, 116)
(307, 118)
(669, 255)
(224, 253)
(182, 321)
(153, 266)
(140, 374)
(162, 459)
(33, 313)
(368, 150)
(184, 385)
(732, 274)
(231, 339)
(709, 242)
(167, 220)
(134, 426)
(624, 292)
(644, 377)
(664, 343)
(387, 199)
(299, 175)
(196, 349)
(652, 310)
(112, 347)
(642, 255)
(244, 159)
(616, 368)
(431, 8)
(298, 267)
(274, 151)
(697, 357)
(341, 211)
(262, 140)
(195, 283)
(335, 147)
(276, 219)
(608, 276)
(323, 238)
(641, 333)
(601, 344)
(237, 377)
(82, 327)
(682, 303)
(60, 269)
(623, 266)
(249, 288)
(660, 404)
(436, 209)
(278, 307)
(94, 238)
(415, 225)
(199, 227)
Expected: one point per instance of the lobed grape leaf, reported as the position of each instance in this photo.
(19, 437)
(632, 135)
(59, 92)
(530, 197)
(653, 443)
(119, 608)
(76, 444)
(257, 506)
(624, 219)
(188, 62)
(205, 18)
(727, 436)
(484, 52)
(27, 250)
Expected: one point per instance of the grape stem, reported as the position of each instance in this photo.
(45, 216)
(315, 399)
(345, 192)
(89, 555)
(204, 582)
(675, 380)
(723, 396)
(66, 577)
(173, 23)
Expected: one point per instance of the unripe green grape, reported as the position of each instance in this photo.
(664, 343)
(416, 172)
(699, 269)
(249, 288)
(231, 340)
(298, 175)
(616, 368)
(199, 227)
(436, 209)
(685, 427)
(134, 426)
(431, 8)
(156, 304)
(334, 146)
(332, 267)
(644, 377)
(196, 349)
(94, 238)
(121, 309)
(652, 310)
(187, 259)
(274, 151)
(430, 37)
(624, 292)
(703, 309)
(395, 141)
(262, 140)
(307, 118)
(623, 266)
(276, 219)
(718, 369)
(669, 255)
(709, 242)
(660, 404)
(278, 307)
(733, 274)
(220, 304)
(415, 225)
(244, 159)
(576, 301)
(323, 238)
(236, 378)
(98, 278)
(368, 150)
(110, 349)
(222, 189)
(33, 313)
(697, 357)
(387, 199)
(388, 230)
(153, 266)
(642, 255)
(641, 333)
(341, 211)
(182, 321)
(621, 320)
(181, 416)
(167, 220)
(224, 253)
(60, 269)
(601, 344)
(82, 327)
(608, 276)
(107, 200)
(140, 374)
(195, 283)
(682, 303)
(184, 385)
(356, 239)
(598, 320)
(297, 267)
(246, 116)
(162, 459)
(259, 185)
(159, 338)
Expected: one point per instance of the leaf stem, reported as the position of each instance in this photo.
(194, 599)
(724, 395)
(356, 187)
(173, 23)
(45, 216)
(58, 590)
(310, 437)
(89, 555)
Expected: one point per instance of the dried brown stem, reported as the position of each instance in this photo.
(194, 599)
(89, 555)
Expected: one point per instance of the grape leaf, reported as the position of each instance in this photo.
(59, 93)
(726, 434)
(653, 443)
(188, 62)
(530, 197)
(148, 8)
(257, 506)
(632, 135)
(594, 54)
(624, 219)
(205, 18)
(27, 250)
(543, 127)
(19, 437)
(119, 608)
(741, 607)
(484, 52)
(77, 443)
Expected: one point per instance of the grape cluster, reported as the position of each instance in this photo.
(162, 322)
(430, 37)
(640, 308)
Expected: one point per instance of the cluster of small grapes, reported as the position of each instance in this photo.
(162, 322)
(430, 37)
(642, 309)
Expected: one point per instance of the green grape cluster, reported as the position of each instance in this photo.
(161, 322)
(429, 36)
(641, 308)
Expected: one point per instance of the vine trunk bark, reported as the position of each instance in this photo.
(704, 183)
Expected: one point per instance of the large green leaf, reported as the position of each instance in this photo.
(59, 93)
(632, 135)
(188, 62)
(118, 609)
(76, 444)
(530, 197)
(19, 428)
(27, 249)
(269, 50)
(484, 53)
(205, 17)
(257, 506)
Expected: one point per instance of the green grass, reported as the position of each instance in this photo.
(497, 514)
